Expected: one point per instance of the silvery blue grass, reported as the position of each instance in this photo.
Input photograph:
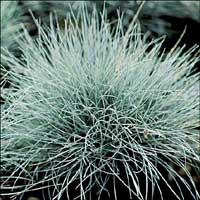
(84, 99)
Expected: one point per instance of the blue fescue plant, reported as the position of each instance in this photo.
(86, 99)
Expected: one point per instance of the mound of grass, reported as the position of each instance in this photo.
(86, 103)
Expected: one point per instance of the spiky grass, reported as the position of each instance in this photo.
(89, 101)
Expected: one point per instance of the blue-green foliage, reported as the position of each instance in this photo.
(87, 98)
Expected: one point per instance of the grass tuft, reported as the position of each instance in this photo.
(84, 101)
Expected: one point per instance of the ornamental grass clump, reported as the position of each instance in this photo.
(87, 103)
